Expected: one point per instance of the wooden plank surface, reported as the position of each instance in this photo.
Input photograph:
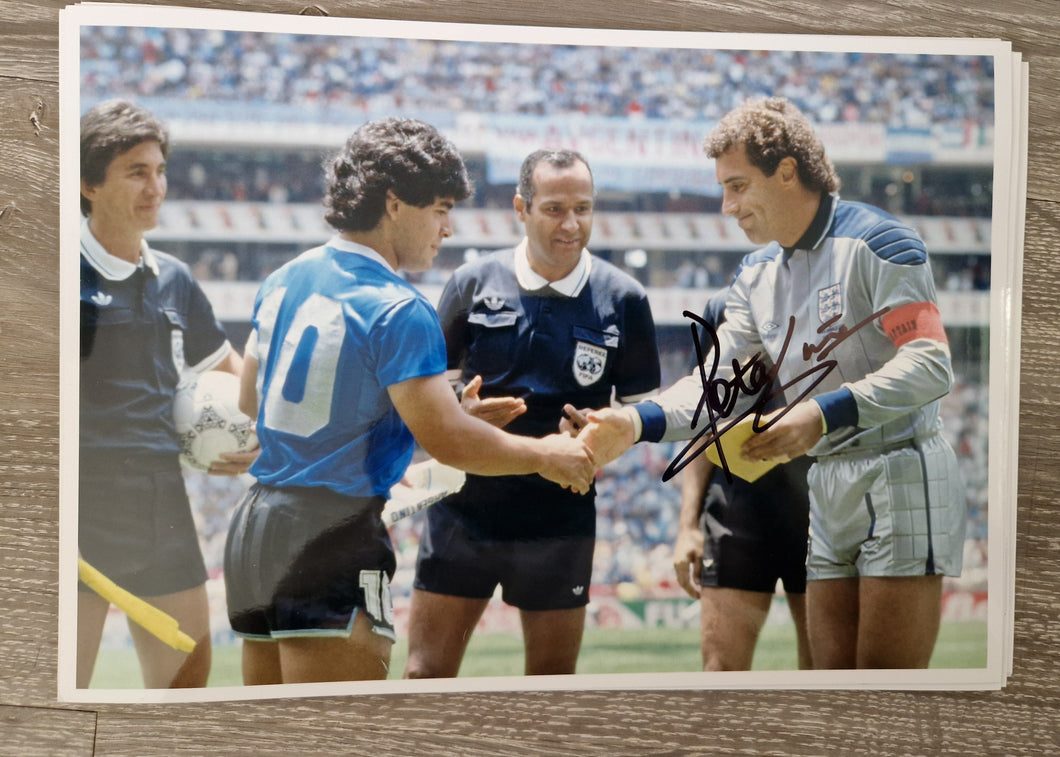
(1023, 719)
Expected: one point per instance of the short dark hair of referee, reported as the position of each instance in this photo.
(555, 158)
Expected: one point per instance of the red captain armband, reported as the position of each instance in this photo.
(917, 320)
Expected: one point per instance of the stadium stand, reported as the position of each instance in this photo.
(373, 74)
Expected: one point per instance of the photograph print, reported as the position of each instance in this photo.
(434, 357)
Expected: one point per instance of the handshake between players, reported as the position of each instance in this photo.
(610, 432)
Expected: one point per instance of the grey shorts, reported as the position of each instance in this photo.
(899, 513)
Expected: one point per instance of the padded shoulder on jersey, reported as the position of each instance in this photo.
(885, 235)
(767, 254)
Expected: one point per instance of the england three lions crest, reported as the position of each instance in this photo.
(829, 302)
(589, 362)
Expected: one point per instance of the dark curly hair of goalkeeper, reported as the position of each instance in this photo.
(772, 129)
(401, 155)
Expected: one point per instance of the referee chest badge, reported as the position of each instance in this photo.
(829, 302)
(589, 361)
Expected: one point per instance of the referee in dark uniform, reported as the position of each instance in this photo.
(548, 324)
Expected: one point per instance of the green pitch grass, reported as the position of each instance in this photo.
(654, 650)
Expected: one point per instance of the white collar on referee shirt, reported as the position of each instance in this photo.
(110, 266)
(570, 285)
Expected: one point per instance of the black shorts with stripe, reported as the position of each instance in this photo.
(304, 561)
(756, 533)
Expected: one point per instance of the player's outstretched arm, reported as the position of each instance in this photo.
(609, 433)
(451, 436)
(688, 547)
(496, 411)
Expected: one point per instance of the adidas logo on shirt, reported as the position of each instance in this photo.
(102, 299)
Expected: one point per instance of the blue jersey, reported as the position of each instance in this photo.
(141, 326)
(332, 330)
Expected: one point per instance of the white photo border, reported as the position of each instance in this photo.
(1006, 263)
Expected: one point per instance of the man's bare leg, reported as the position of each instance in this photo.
(899, 621)
(553, 639)
(440, 626)
(362, 656)
(261, 663)
(91, 617)
(163, 666)
(729, 623)
(832, 622)
(797, 607)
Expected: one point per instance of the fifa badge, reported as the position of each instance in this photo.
(589, 361)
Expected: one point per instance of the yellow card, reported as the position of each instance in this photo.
(731, 441)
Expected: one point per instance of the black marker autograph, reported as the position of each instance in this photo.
(755, 379)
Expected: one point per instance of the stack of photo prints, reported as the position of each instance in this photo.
(928, 140)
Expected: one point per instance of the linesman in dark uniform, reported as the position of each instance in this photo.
(144, 321)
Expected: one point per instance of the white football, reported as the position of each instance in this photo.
(208, 420)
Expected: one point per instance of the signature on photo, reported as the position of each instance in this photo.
(757, 379)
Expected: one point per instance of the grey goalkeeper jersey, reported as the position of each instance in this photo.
(846, 317)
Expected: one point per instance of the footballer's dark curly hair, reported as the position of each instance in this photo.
(109, 129)
(556, 158)
(772, 129)
(403, 155)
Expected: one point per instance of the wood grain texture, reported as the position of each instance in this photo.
(1023, 719)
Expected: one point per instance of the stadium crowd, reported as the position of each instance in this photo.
(278, 176)
(420, 76)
